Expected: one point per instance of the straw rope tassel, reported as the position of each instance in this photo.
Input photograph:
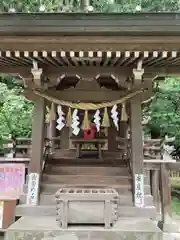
(124, 116)
(69, 118)
(106, 121)
(85, 124)
(53, 112)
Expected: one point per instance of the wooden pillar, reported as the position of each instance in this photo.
(35, 165)
(137, 151)
(123, 127)
(65, 138)
(112, 143)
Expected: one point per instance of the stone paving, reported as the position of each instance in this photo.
(166, 236)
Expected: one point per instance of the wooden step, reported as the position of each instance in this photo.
(47, 210)
(127, 199)
(87, 170)
(89, 177)
(89, 161)
(86, 179)
(61, 153)
(53, 188)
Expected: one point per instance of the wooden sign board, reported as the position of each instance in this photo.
(12, 179)
(139, 190)
(33, 189)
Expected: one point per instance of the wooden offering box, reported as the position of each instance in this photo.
(86, 206)
(7, 212)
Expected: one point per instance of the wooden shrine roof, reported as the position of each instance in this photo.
(166, 62)
(129, 24)
(59, 40)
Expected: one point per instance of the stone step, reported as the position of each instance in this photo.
(53, 188)
(47, 210)
(47, 199)
(129, 228)
(86, 179)
(87, 170)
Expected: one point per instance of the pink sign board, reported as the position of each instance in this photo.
(12, 178)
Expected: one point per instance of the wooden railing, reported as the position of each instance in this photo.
(46, 153)
(21, 147)
(152, 148)
(124, 147)
(161, 185)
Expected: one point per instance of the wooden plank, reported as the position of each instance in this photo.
(151, 166)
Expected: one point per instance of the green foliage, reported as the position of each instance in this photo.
(164, 110)
(15, 113)
(98, 5)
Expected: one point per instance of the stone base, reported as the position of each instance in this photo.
(171, 227)
(171, 236)
(46, 228)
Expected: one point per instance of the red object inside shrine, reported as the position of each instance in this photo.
(89, 133)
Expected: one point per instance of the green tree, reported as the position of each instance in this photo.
(164, 110)
(15, 113)
(98, 5)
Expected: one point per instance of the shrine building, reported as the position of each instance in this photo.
(88, 76)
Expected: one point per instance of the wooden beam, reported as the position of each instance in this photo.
(74, 96)
(120, 73)
(102, 43)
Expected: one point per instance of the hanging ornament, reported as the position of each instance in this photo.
(106, 121)
(52, 112)
(61, 118)
(85, 124)
(97, 119)
(69, 118)
(114, 116)
(75, 122)
(124, 116)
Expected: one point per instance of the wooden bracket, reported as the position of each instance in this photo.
(138, 73)
(37, 74)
